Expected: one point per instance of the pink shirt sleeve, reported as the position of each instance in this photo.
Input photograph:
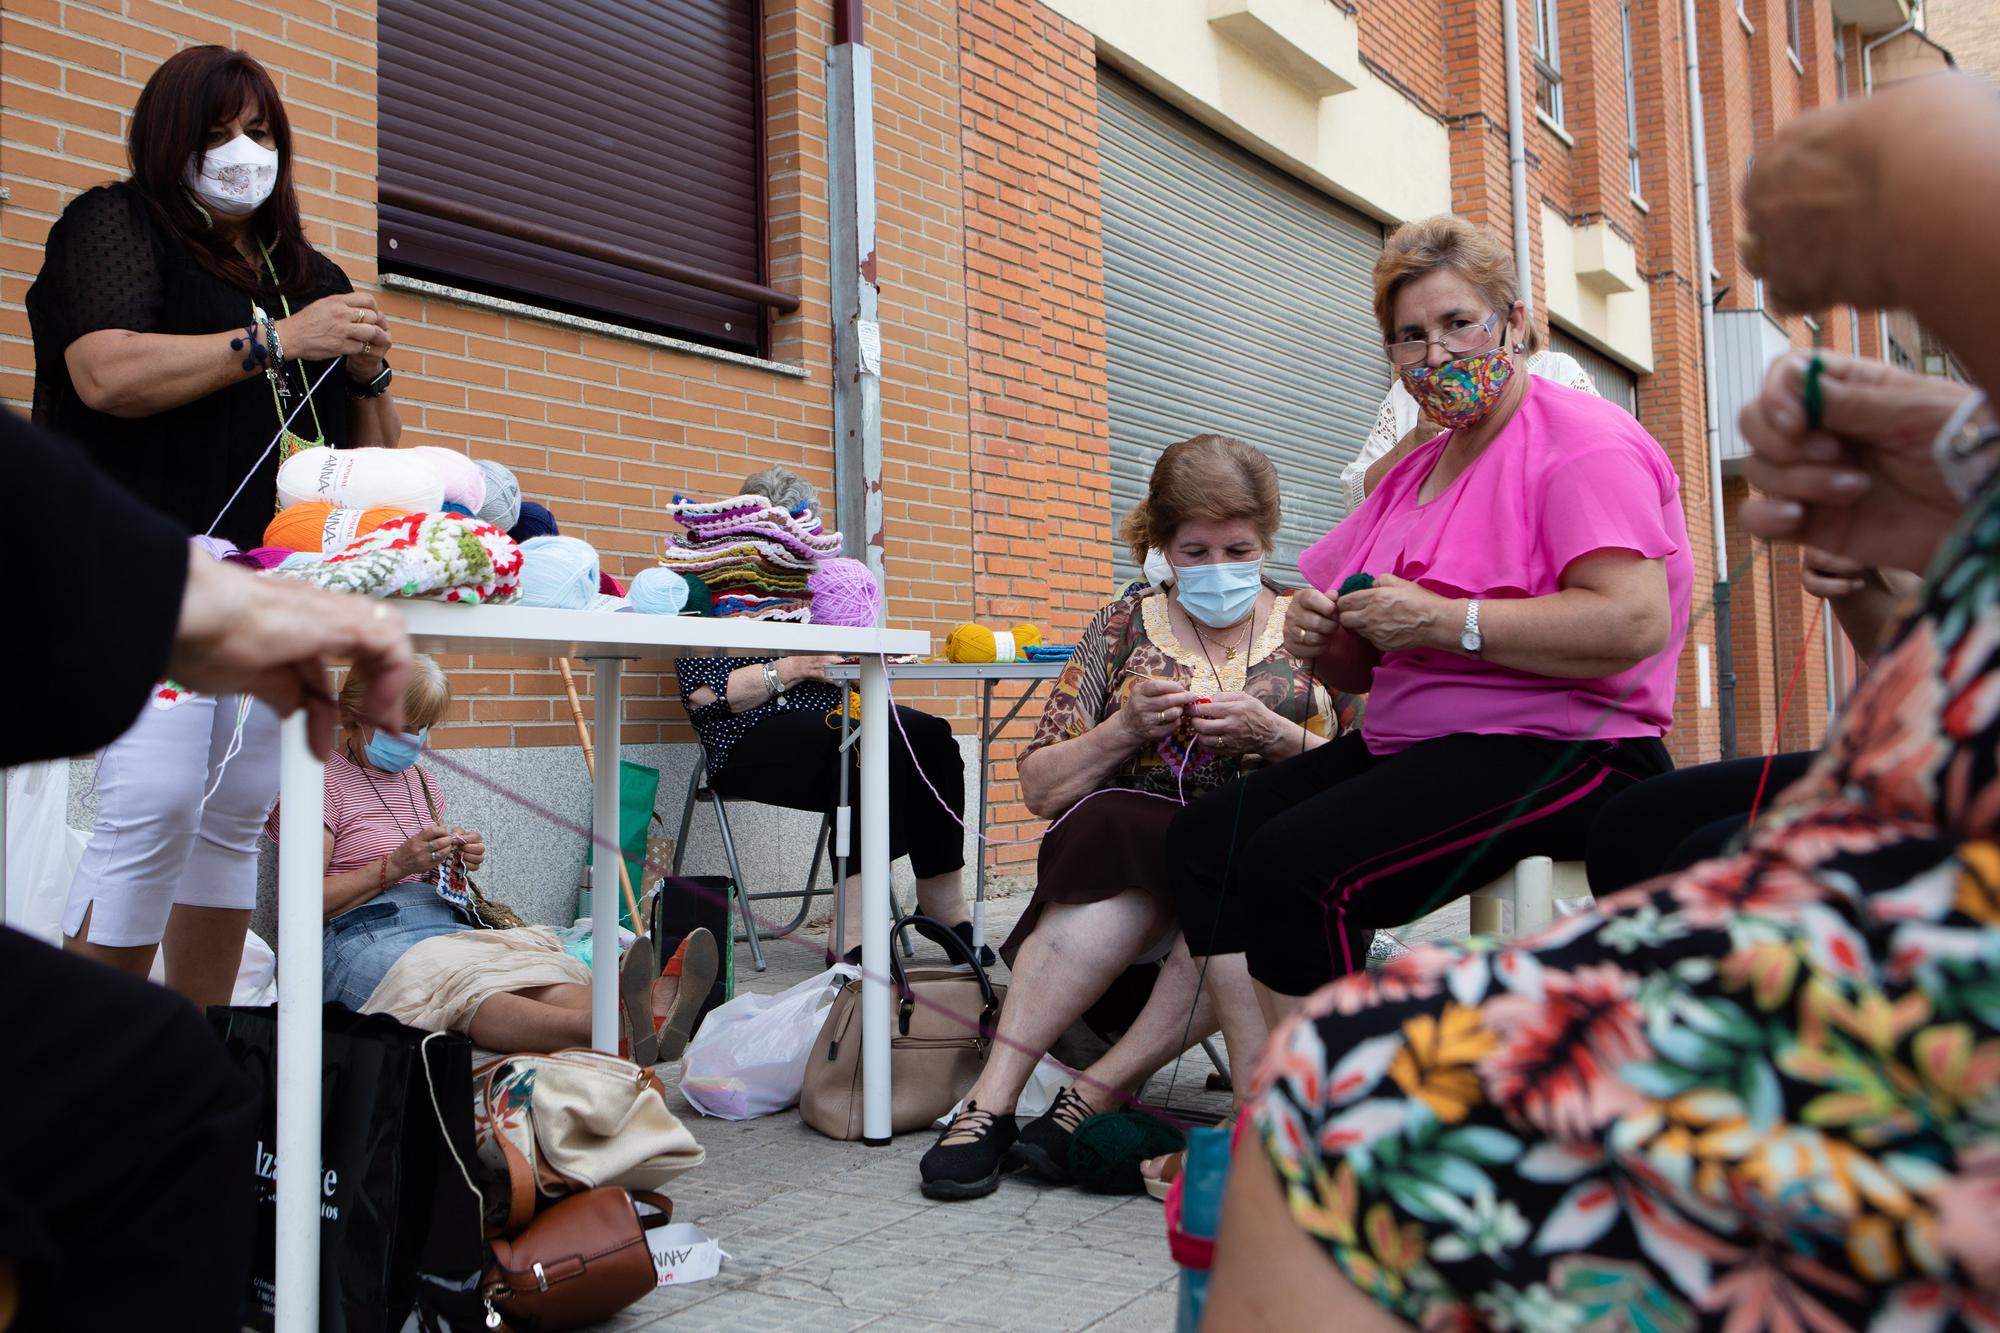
(1604, 499)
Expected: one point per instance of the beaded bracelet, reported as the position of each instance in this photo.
(256, 356)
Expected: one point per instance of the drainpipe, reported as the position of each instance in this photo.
(857, 330)
(1725, 656)
(1840, 60)
(1867, 90)
(1517, 152)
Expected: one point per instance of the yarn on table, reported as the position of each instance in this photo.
(558, 571)
(535, 521)
(464, 483)
(361, 479)
(318, 526)
(844, 593)
(659, 592)
(1107, 1150)
(977, 643)
(437, 556)
(269, 557)
(502, 507)
(700, 602)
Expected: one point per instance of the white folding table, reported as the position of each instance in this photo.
(607, 640)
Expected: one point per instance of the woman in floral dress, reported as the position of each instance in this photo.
(1765, 1093)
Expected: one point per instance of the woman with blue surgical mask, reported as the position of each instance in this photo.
(179, 319)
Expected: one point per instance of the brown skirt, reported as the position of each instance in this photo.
(1116, 840)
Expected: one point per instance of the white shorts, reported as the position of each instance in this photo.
(154, 842)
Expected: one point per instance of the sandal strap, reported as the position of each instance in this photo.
(1069, 1110)
(970, 1125)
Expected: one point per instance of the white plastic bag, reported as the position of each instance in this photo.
(749, 1057)
(42, 849)
(1049, 1077)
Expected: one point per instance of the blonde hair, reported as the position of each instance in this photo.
(1446, 241)
(1209, 477)
(425, 697)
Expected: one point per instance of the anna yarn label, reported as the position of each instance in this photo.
(341, 527)
(683, 1253)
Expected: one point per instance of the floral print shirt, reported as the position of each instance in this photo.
(1132, 639)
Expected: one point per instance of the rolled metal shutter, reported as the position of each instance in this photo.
(635, 126)
(1615, 383)
(1237, 301)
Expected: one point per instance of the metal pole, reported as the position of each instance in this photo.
(1725, 657)
(1517, 152)
(979, 844)
(302, 797)
(605, 851)
(876, 1121)
(857, 329)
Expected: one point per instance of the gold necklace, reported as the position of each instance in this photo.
(1229, 650)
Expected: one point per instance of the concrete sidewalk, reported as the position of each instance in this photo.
(835, 1236)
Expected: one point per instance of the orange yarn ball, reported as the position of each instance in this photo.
(318, 527)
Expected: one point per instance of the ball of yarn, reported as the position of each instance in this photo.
(268, 557)
(217, 548)
(317, 526)
(659, 592)
(535, 521)
(361, 479)
(454, 507)
(1356, 583)
(700, 602)
(502, 507)
(844, 593)
(976, 643)
(464, 483)
(1107, 1150)
(607, 585)
(558, 571)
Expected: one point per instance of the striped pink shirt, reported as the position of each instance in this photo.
(370, 814)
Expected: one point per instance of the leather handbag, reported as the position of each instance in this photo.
(583, 1260)
(942, 1030)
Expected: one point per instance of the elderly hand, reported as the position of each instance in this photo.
(250, 633)
(421, 853)
(792, 670)
(471, 846)
(1310, 622)
(1829, 576)
(346, 324)
(1864, 486)
(1397, 614)
(1234, 723)
(1152, 709)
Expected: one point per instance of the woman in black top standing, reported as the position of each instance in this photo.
(179, 318)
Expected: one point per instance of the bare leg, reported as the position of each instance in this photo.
(943, 897)
(563, 995)
(1269, 1275)
(1275, 1006)
(1174, 1019)
(134, 960)
(509, 1023)
(204, 951)
(1075, 952)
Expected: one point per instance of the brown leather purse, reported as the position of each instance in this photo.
(943, 1029)
(582, 1259)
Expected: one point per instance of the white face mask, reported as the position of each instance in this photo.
(234, 179)
(1157, 569)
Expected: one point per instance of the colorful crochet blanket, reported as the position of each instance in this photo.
(441, 557)
(754, 557)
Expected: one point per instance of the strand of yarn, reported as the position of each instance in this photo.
(285, 426)
(235, 746)
(844, 592)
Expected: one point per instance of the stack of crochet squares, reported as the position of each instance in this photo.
(754, 557)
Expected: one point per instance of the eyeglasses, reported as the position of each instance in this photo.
(1458, 342)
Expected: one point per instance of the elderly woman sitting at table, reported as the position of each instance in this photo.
(1530, 577)
(401, 937)
(1170, 694)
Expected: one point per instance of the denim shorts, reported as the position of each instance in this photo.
(359, 946)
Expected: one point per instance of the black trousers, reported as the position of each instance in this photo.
(1670, 822)
(793, 759)
(126, 1151)
(1298, 864)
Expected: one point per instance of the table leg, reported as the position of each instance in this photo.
(610, 712)
(876, 946)
(841, 845)
(979, 844)
(302, 791)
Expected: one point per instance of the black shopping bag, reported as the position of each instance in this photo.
(684, 904)
(392, 1200)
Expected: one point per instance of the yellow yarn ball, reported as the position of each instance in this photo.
(976, 643)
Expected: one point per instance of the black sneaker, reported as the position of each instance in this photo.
(1043, 1147)
(966, 1160)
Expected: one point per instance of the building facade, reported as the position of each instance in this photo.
(603, 237)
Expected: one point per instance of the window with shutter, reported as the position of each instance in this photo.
(598, 156)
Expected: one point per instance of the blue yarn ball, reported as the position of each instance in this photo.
(454, 507)
(658, 592)
(558, 571)
(535, 521)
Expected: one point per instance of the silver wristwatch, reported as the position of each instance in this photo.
(771, 681)
(1470, 639)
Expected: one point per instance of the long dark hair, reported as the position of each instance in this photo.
(194, 89)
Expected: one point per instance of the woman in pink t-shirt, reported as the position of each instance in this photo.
(1531, 579)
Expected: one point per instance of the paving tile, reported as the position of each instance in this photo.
(1154, 1312)
(1107, 1256)
(1008, 1299)
(743, 1311)
(798, 1224)
(861, 1277)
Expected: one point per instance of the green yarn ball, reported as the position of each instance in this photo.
(1107, 1149)
(700, 601)
(1356, 583)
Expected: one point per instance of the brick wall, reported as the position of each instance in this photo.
(1039, 426)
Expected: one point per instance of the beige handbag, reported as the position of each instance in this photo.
(551, 1125)
(939, 1035)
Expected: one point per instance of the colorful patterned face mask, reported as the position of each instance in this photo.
(1460, 393)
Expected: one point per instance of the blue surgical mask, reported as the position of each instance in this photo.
(1219, 595)
(392, 751)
